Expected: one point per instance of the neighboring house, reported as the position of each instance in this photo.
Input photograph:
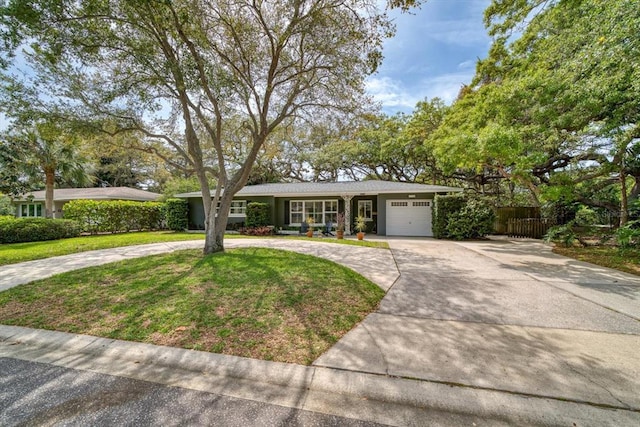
(32, 204)
(390, 208)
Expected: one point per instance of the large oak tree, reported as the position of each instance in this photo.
(197, 74)
(556, 105)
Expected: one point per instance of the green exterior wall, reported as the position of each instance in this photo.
(196, 211)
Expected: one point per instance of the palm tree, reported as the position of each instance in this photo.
(54, 154)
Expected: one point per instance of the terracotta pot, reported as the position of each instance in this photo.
(360, 235)
(309, 233)
(340, 234)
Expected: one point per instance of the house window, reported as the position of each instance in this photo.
(31, 209)
(296, 212)
(313, 211)
(365, 209)
(238, 208)
(331, 211)
(320, 211)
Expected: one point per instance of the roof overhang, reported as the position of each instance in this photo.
(241, 194)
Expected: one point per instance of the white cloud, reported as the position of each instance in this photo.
(394, 95)
(445, 86)
(390, 93)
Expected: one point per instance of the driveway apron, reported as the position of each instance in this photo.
(506, 316)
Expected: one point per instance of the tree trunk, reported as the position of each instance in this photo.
(216, 225)
(624, 205)
(214, 241)
(50, 178)
(635, 190)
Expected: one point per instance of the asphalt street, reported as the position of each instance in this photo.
(41, 394)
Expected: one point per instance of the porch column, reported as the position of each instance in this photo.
(347, 212)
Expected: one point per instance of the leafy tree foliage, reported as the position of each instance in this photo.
(378, 146)
(556, 108)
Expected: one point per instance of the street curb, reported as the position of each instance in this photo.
(370, 397)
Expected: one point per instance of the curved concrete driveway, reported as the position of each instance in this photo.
(375, 264)
(503, 316)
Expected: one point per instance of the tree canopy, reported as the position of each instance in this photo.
(556, 104)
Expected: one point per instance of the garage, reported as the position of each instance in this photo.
(409, 218)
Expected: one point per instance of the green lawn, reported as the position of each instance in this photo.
(20, 252)
(606, 256)
(254, 302)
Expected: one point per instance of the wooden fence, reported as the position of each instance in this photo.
(534, 228)
(503, 215)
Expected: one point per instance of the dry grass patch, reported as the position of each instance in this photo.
(253, 302)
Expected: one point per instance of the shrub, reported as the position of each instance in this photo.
(564, 234)
(6, 208)
(258, 231)
(586, 217)
(176, 213)
(258, 215)
(473, 220)
(115, 215)
(444, 207)
(628, 236)
(456, 217)
(18, 230)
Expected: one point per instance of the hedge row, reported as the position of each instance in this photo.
(457, 217)
(115, 215)
(19, 230)
(177, 214)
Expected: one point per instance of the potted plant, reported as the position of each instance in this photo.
(340, 225)
(360, 225)
(310, 229)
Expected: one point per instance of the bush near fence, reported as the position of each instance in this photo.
(20, 230)
(443, 208)
(457, 217)
(115, 216)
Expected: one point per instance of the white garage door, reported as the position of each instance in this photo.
(409, 218)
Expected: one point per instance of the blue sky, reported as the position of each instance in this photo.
(432, 54)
